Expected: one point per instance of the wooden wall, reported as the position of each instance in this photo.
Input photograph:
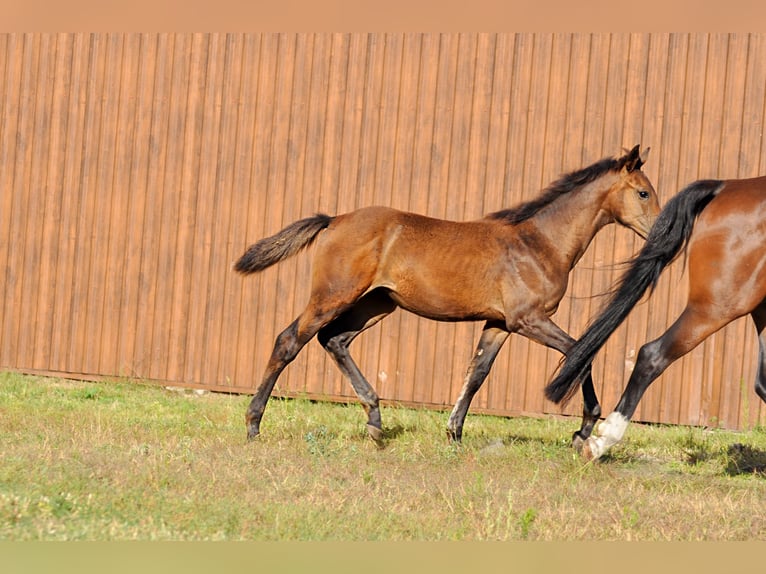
(134, 168)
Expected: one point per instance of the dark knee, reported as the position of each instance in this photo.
(650, 360)
(286, 346)
(594, 413)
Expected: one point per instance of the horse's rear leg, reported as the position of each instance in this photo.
(690, 329)
(492, 338)
(336, 338)
(759, 318)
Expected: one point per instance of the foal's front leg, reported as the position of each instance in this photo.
(492, 338)
(545, 331)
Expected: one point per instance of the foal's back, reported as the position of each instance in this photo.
(440, 269)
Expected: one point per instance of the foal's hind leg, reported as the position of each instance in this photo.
(336, 338)
(492, 338)
(286, 347)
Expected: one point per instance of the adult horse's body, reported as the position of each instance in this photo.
(509, 269)
(723, 225)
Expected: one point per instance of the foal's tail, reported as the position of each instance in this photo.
(669, 235)
(282, 245)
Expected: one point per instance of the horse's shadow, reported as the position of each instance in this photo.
(395, 431)
(744, 459)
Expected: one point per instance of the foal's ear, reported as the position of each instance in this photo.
(635, 158)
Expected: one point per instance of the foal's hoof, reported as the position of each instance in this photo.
(454, 437)
(376, 434)
(252, 432)
(577, 442)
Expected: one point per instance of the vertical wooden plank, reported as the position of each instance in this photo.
(6, 65)
(171, 191)
(62, 320)
(12, 151)
(114, 184)
(34, 176)
(101, 199)
(231, 372)
(29, 182)
(181, 227)
(389, 118)
(152, 360)
(80, 357)
(217, 186)
(366, 181)
(150, 326)
(353, 110)
(67, 114)
(135, 167)
(49, 126)
(499, 118)
(203, 282)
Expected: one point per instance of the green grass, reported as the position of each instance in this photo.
(129, 461)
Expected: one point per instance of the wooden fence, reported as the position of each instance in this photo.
(134, 168)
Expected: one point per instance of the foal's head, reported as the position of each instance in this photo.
(631, 200)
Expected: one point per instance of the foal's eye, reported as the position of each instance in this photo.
(643, 194)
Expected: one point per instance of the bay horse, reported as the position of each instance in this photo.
(721, 226)
(509, 269)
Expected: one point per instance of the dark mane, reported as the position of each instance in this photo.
(561, 186)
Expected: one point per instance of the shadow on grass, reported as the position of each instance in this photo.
(397, 430)
(744, 459)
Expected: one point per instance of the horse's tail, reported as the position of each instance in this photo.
(668, 236)
(282, 245)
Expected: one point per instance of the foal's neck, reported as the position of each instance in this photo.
(571, 222)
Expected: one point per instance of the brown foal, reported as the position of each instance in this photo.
(509, 269)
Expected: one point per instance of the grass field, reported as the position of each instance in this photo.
(129, 461)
